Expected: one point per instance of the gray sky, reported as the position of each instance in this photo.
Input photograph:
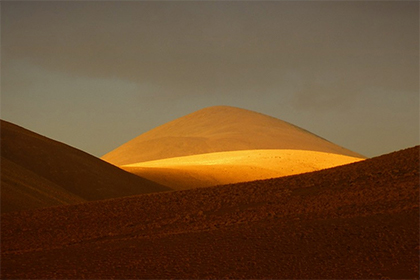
(96, 74)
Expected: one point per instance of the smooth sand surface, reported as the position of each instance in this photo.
(232, 167)
(357, 221)
(37, 172)
(219, 129)
(22, 189)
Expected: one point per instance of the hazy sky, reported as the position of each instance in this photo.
(96, 74)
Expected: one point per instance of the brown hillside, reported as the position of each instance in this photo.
(37, 171)
(358, 221)
(219, 129)
(22, 189)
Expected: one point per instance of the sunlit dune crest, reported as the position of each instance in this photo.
(235, 166)
(219, 129)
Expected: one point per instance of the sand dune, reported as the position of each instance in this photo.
(220, 168)
(219, 129)
(357, 221)
(38, 172)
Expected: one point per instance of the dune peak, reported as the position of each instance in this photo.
(219, 129)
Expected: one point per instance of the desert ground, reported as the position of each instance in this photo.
(308, 209)
(357, 221)
(222, 168)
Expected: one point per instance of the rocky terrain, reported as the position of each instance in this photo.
(358, 221)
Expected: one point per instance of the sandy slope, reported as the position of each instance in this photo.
(219, 129)
(357, 221)
(37, 171)
(22, 189)
(232, 167)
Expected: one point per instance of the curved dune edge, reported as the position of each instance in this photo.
(219, 129)
(220, 168)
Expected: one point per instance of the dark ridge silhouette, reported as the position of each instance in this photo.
(38, 172)
(357, 221)
(219, 129)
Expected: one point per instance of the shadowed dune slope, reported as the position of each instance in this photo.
(357, 221)
(22, 189)
(219, 129)
(232, 167)
(37, 172)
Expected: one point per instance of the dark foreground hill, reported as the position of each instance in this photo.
(355, 221)
(39, 172)
(219, 129)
